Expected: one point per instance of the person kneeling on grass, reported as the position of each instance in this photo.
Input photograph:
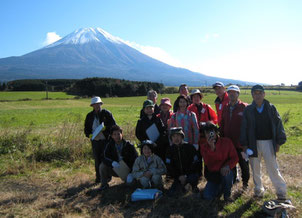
(183, 162)
(116, 150)
(149, 168)
(220, 157)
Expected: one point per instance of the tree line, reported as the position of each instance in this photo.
(104, 87)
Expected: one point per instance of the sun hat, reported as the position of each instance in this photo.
(233, 88)
(96, 100)
(257, 88)
(165, 101)
(217, 84)
(196, 91)
(148, 103)
(176, 130)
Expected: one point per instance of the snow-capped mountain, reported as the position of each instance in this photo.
(92, 52)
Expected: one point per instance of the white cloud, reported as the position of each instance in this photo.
(156, 53)
(51, 37)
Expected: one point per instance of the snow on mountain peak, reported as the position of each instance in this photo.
(85, 35)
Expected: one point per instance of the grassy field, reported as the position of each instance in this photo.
(46, 168)
(5, 96)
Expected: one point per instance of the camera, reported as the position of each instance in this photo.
(212, 134)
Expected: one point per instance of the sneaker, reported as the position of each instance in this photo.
(245, 187)
(103, 187)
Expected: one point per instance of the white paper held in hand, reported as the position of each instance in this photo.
(97, 133)
(152, 133)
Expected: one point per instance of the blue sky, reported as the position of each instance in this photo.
(259, 40)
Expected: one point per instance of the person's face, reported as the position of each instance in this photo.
(182, 104)
(152, 98)
(219, 90)
(233, 95)
(149, 110)
(184, 90)
(147, 151)
(258, 97)
(176, 139)
(117, 136)
(97, 107)
(165, 108)
(196, 99)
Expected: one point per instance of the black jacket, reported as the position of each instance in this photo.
(183, 160)
(129, 153)
(248, 127)
(104, 116)
(144, 123)
(156, 111)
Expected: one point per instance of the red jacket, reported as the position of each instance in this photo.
(230, 126)
(224, 154)
(220, 104)
(206, 114)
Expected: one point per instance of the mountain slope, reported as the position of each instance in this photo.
(89, 52)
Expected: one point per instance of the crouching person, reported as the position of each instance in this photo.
(183, 162)
(116, 150)
(220, 158)
(149, 168)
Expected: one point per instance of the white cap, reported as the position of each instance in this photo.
(96, 100)
(234, 88)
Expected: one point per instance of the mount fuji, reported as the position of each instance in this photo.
(92, 52)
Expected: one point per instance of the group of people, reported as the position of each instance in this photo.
(191, 141)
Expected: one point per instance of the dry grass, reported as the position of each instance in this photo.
(60, 193)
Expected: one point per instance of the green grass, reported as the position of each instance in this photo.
(9, 95)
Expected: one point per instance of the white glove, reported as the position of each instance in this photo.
(196, 146)
(115, 164)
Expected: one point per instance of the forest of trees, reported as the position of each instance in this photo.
(103, 87)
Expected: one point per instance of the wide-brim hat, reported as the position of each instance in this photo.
(177, 130)
(233, 88)
(96, 100)
(196, 91)
(165, 101)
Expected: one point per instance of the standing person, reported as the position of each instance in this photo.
(149, 119)
(151, 95)
(148, 168)
(220, 157)
(183, 90)
(203, 111)
(116, 150)
(165, 112)
(187, 120)
(262, 131)
(230, 127)
(183, 162)
(222, 99)
(98, 116)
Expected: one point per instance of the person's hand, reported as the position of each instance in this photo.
(115, 164)
(225, 170)
(277, 148)
(147, 174)
(182, 179)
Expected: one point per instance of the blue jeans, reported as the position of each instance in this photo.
(213, 190)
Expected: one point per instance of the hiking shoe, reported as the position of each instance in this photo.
(103, 187)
